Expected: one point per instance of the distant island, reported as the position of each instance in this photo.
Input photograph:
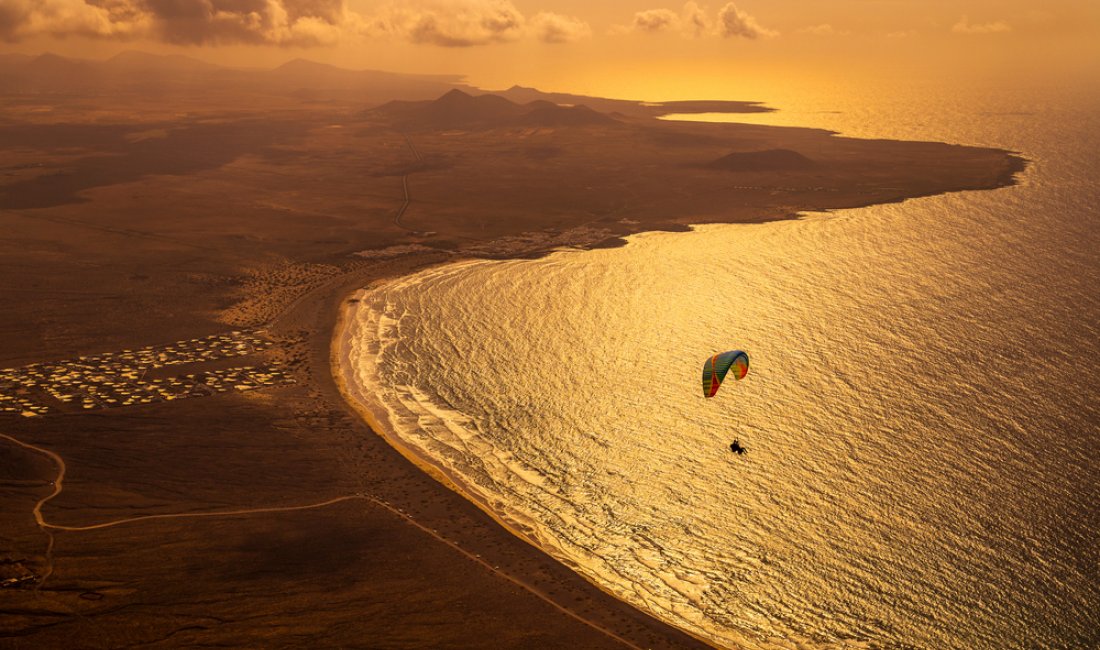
(180, 237)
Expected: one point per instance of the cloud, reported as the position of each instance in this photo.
(734, 22)
(189, 22)
(455, 23)
(692, 21)
(556, 28)
(260, 22)
(964, 26)
(824, 29)
(300, 23)
(22, 18)
(467, 23)
(656, 20)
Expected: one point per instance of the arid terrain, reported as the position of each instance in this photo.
(152, 200)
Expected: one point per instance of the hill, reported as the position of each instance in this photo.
(758, 161)
(136, 75)
(630, 107)
(459, 110)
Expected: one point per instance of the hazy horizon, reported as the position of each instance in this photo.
(621, 49)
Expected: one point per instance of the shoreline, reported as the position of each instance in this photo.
(342, 299)
(361, 401)
(357, 399)
(363, 404)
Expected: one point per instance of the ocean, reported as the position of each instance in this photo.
(921, 410)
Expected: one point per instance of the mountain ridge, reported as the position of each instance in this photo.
(456, 109)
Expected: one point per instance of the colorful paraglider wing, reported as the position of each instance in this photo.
(717, 367)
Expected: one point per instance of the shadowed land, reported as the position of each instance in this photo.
(262, 202)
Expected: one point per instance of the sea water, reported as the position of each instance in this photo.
(921, 411)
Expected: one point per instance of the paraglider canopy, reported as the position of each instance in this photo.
(717, 367)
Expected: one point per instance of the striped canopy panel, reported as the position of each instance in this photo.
(717, 367)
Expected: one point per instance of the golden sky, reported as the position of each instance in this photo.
(638, 48)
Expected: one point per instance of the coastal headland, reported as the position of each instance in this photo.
(178, 466)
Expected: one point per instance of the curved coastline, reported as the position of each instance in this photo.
(360, 398)
(361, 402)
(367, 407)
(610, 616)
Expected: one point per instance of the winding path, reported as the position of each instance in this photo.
(405, 187)
(38, 518)
(57, 483)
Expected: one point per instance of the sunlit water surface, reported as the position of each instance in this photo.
(921, 411)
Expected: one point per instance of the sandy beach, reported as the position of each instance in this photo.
(360, 398)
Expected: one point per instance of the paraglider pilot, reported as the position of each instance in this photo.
(734, 363)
